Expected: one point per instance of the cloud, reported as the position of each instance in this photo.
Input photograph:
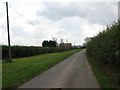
(100, 12)
(73, 25)
(76, 29)
(73, 21)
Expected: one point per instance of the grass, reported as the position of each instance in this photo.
(104, 80)
(23, 69)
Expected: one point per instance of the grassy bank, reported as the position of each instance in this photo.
(23, 69)
(105, 81)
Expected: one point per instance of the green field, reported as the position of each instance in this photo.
(23, 69)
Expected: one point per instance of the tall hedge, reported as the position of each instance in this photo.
(105, 48)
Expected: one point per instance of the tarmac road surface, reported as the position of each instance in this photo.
(73, 72)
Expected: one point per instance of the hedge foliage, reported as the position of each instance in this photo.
(25, 51)
(105, 48)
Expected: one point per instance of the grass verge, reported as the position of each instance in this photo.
(104, 80)
(23, 69)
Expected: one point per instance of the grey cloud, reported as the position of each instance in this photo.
(74, 27)
(56, 11)
(72, 24)
(101, 13)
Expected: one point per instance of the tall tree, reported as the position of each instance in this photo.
(49, 44)
(52, 43)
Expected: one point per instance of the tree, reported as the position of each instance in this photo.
(45, 43)
(49, 44)
(88, 39)
(52, 43)
(61, 41)
(55, 40)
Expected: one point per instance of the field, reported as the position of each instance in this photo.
(23, 69)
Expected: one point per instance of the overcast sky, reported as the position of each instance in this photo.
(69, 20)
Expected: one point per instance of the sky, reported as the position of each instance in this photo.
(33, 21)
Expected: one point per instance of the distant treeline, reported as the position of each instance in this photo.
(105, 49)
(25, 51)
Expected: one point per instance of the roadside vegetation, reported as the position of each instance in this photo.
(103, 53)
(26, 51)
(23, 69)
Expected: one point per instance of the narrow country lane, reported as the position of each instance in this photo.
(73, 72)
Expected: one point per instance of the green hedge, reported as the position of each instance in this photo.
(105, 48)
(25, 51)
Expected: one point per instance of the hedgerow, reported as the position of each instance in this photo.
(25, 51)
(104, 48)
